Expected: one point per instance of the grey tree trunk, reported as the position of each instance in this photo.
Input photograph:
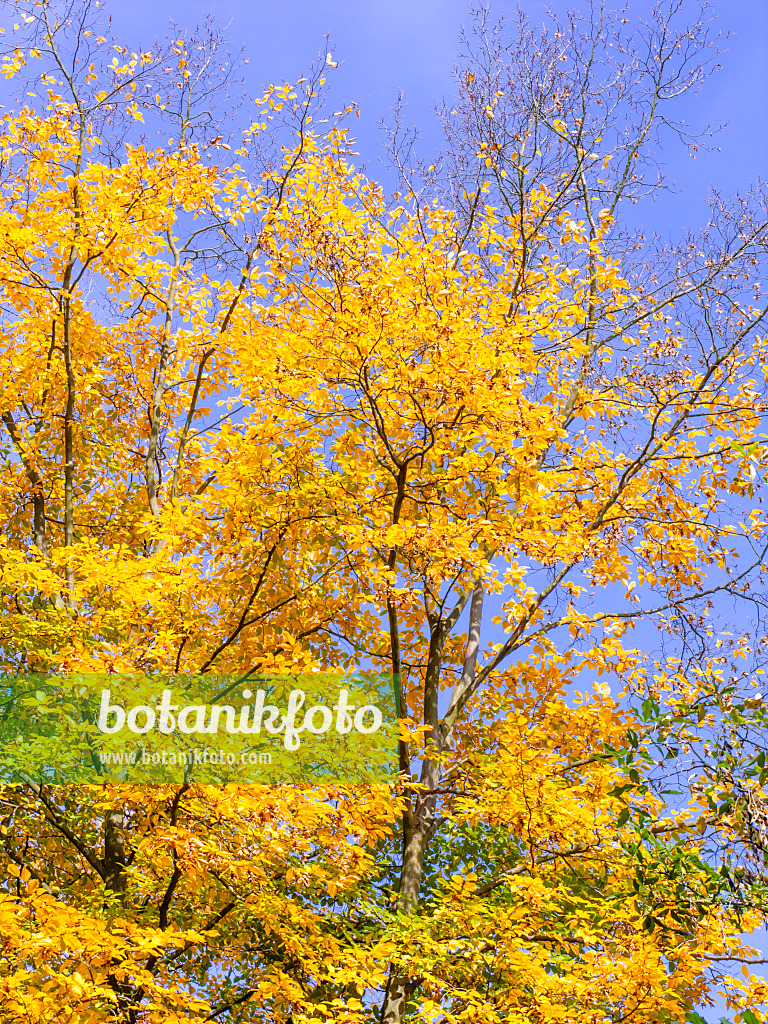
(420, 820)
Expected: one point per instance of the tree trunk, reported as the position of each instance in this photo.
(419, 823)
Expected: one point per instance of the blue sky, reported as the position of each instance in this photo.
(384, 46)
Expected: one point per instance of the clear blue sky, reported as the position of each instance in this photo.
(389, 45)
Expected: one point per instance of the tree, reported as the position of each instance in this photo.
(416, 398)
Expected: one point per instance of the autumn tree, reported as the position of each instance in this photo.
(260, 415)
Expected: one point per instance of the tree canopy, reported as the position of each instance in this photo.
(261, 413)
